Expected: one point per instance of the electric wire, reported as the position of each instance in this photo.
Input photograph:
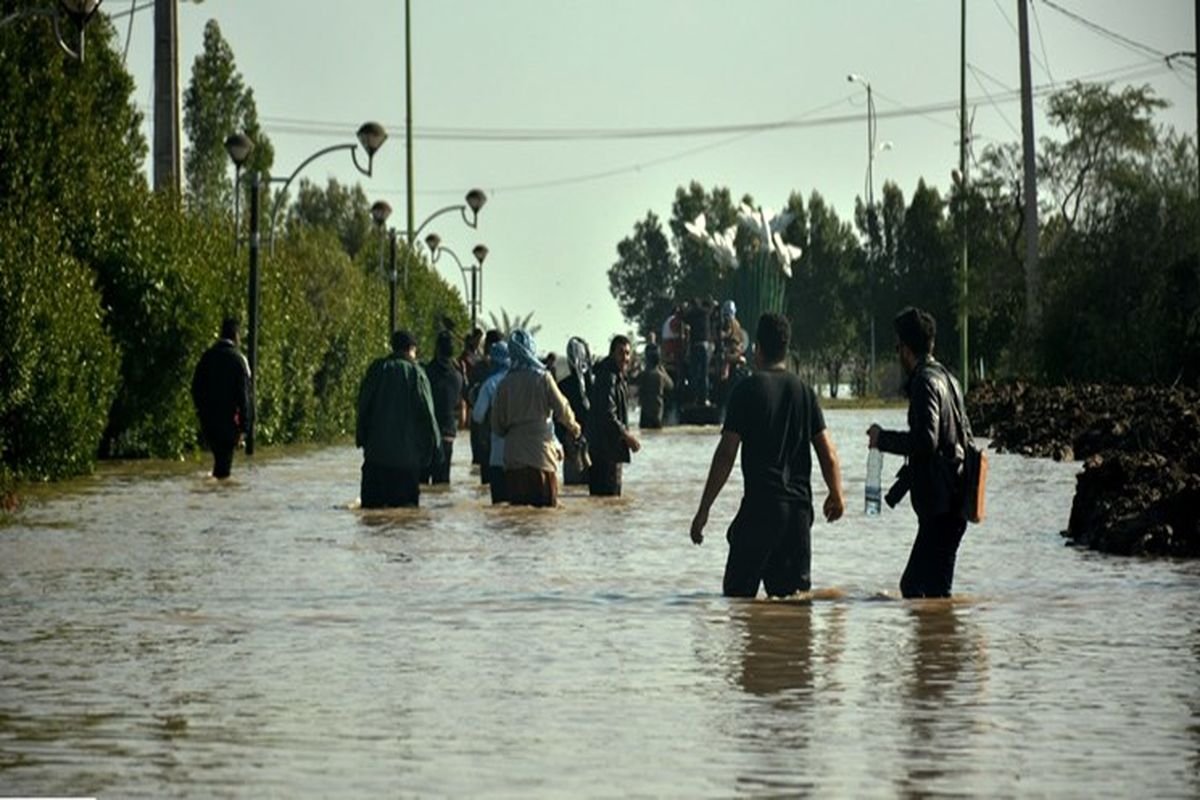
(133, 9)
(1037, 22)
(129, 31)
(1116, 38)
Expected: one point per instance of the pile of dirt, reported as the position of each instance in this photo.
(1139, 492)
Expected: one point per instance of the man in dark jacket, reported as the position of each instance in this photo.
(934, 456)
(446, 386)
(221, 394)
(396, 429)
(609, 439)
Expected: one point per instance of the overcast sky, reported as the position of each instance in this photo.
(558, 207)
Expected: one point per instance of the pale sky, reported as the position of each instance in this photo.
(557, 209)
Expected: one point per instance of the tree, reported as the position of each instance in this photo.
(645, 276)
(507, 325)
(827, 300)
(217, 103)
(344, 210)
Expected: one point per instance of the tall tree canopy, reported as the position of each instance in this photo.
(217, 103)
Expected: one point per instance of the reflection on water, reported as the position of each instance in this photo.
(162, 634)
(943, 690)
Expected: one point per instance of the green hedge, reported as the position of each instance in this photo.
(58, 368)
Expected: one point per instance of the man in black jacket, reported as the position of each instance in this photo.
(221, 394)
(934, 454)
(609, 439)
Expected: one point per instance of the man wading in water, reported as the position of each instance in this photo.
(934, 458)
(777, 417)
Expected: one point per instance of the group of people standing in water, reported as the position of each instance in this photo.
(524, 424)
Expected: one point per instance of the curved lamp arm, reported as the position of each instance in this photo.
(79, 16)
(474, 202)
(441, 248)
(371, 136)
(353, 148)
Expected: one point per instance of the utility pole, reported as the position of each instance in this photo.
(964, 374)
(166, 97)
(1033, 278)
(408, 137)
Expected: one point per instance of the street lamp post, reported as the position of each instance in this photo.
(79, 12)
(474, 290)
(871, 225)
(380, 211)
(371, 136)
(473, 203)
(480, 252)
(239, 147)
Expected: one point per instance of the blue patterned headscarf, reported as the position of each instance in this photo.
(523, 351)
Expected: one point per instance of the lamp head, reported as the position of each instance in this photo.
(475, 200)
(854, 77)
(433, 242)
(239, 147)
(80, 10)
(380, 211)
(371, 136)
(480, 252)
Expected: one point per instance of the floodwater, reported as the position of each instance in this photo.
(162, 635)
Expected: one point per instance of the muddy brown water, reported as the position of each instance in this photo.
(162, 635)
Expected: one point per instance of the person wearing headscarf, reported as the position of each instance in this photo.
(576, 387)
(524, 403)
(480, 415)
(609, 440)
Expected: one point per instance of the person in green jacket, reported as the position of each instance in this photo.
(397, 429)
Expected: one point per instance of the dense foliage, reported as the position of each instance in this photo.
(1119, 296)
(109, 293)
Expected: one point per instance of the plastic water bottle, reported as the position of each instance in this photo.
(874, 481)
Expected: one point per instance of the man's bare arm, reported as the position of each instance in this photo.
(718, 474)
(831, 471)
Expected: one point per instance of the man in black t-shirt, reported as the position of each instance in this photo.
(775, 415)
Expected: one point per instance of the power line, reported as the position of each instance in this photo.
(295, 126)
(975, 74)
(1038, 24)
(133, 9)
(1113, 36)
(129, 31)
(1013, 28)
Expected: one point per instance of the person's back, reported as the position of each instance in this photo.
(446, 388)
(219, 388)
(776, 415)
(220, 392)
(653, 385)
(774, 418)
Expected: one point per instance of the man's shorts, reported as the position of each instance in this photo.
(769, 542)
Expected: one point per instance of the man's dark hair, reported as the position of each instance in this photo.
(773, 334)
(231, 328)
(444, 346)
(620, 340)
(402, 341)
(493, 336)
(917, 329)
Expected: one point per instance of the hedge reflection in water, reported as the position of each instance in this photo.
(164, 634)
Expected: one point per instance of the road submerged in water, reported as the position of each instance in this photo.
(162, 634)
